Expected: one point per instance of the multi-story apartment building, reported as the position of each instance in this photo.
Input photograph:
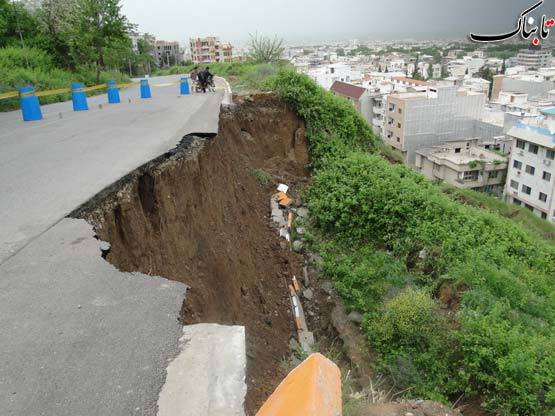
(531, 175)
(464, 164)
(415, 120)
(167, 53)
(210, 50)
(533, 58)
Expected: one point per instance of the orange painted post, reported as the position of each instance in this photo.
(311, 389)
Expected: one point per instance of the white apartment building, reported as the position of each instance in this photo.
(436, 71)
(534, 58)
(326, 75)
(464, 164)
(531, 174)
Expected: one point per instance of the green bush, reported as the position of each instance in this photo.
(416, 344)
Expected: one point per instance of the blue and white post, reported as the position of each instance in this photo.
(78, 97)
(113, 92)
(184, 86)
(30, 106)
(145, 89)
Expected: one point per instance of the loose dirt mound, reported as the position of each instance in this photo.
(200, 216)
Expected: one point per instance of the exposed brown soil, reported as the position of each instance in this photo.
(201, 217)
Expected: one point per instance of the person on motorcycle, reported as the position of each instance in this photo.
(203, 78)
(208, 79)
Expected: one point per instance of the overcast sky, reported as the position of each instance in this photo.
(320, 20)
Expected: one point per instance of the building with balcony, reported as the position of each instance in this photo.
(210, 50)
(531, 173)
(464, 164)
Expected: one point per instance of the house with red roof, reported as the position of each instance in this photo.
(359, 96)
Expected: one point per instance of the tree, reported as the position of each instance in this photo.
(340, 52)
(54, 18)
(503, 67)
(96, 25)
(266, 50)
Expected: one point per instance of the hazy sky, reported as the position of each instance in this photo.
(319, 20)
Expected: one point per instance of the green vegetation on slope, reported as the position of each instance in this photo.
(456, 299)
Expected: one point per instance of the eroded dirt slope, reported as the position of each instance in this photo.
(200, 216)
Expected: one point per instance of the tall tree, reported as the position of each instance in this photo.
(54, 17)
(266, 50)
(95, 25)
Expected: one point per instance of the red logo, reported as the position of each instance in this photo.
(536, 41)
(550, 22)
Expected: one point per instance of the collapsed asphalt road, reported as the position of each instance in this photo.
(78, 337)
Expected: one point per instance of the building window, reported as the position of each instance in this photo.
(546, 176)
(471, 175)
(400, 111)
(493, 175)
(517, 165)
(398, 125)
(543, 197)
(520, 144)
(550, 154)
(530, 169)
(529, 207)
(517, 202)
(514, 185)
(544, 216)
(526, 189)
(398, 140)
(457, 149)
(533, 148)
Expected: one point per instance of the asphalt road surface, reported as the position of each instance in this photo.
(78, 337)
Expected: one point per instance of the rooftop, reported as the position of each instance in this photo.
(348, 90)
(534, 131)
(409, 80)
(447, 153)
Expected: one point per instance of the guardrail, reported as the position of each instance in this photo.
(30, 105)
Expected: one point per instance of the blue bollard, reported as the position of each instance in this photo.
(184, 86)
(30, 106)
(78, 97)
(113, 92)
(145, 89)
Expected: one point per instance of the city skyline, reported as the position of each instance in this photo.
(401, 19)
